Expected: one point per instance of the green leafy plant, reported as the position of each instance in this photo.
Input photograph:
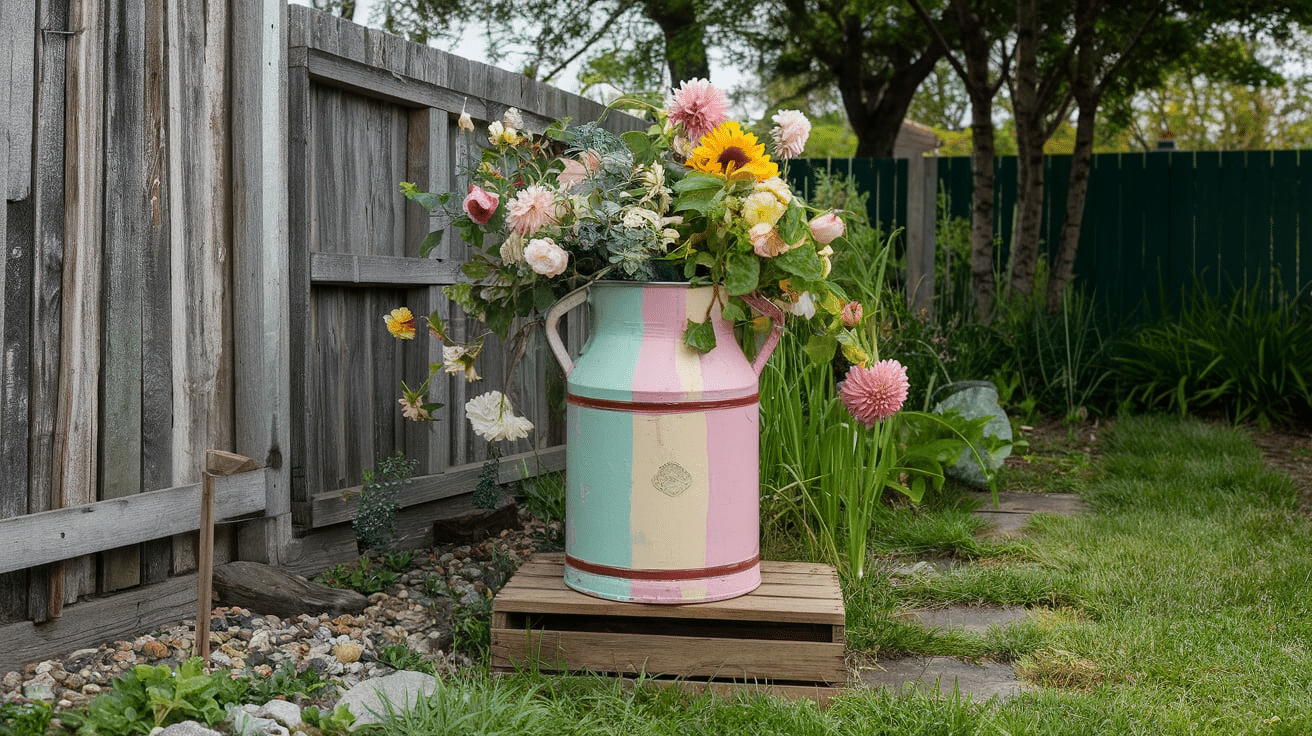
(338, 722)
(285, 681)
(150, 696)
(1246, 359)
(472, 627)
(362, 575)
(402, 657)
(375, 518)
(24, 719)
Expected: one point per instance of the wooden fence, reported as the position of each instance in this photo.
(203, 230)
(1157, 223)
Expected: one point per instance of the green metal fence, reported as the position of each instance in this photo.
(1157, 223)
(884, 180)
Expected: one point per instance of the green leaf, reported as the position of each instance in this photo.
(433, 240)
(428, 200)
(699, 336)
(697, 181)
(734, 311)
(821, 348)
(743, 272)
(802, 262)
(476, 269)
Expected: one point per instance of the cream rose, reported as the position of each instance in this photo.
(545, 257)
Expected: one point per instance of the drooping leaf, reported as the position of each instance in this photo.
(432, 241)
(802, 262)
(699, 336)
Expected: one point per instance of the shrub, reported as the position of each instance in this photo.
(1246, 359)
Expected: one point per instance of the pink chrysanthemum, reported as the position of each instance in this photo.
(532, 209)
(874, 393)
(699, 106)
(791, 129)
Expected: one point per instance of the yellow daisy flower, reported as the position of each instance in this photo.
(400, 323)
(731, 152)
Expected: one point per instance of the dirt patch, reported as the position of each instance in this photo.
(1291, 452)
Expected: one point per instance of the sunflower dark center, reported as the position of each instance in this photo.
(732, 158)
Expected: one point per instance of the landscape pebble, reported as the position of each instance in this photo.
(417, 611)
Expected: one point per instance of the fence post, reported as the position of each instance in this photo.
(922, 190)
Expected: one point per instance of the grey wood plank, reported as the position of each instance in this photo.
(16, 227)
(97, 621)
(300, 223)
(77, 431)
(59, 534)
(17, 76)
(156, 304)
(124, 227)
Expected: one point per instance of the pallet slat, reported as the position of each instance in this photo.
(786, 637)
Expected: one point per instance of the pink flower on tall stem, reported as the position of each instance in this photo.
(699, 106)
(875, 393)
(480, 204)
(851, 314)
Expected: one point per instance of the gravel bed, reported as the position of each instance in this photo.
(418, 611)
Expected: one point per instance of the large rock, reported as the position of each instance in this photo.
(367, 700)
(972, 400)
(268, 590)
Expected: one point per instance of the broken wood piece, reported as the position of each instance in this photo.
(267, 590)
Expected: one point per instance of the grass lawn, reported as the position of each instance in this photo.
(1182, 604)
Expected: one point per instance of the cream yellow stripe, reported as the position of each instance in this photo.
(687, 362)
(670, 491)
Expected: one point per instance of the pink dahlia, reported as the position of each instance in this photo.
(791, 129)
(699, 106)
(874, 393)
(532, 209)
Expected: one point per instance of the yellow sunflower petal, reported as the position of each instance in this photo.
(733, 153)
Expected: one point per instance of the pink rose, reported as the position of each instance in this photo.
(481, 204)
(545, 257)
(826, 228)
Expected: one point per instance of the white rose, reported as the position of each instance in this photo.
(545, 257)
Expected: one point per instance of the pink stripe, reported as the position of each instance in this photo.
(655, 377)
(733, 514)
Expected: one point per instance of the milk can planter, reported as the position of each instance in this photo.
(662, 486)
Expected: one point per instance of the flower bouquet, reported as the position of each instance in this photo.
(695, 197)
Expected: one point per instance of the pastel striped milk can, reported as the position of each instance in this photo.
(661, 456)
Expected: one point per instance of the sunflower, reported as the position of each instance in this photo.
(730, 152)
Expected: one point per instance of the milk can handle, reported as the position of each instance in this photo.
(776, 315)
(558, 310)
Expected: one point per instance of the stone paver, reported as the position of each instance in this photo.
(978, 619)
(978, 681)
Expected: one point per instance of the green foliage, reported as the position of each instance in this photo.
(472, 626)
(24, 719)
(375, 519)
(339, 722)
(544, 496)
(402, 657)
(148, 696)
(285, 681)
(364, 575)
(487, 492)
(471, 709)
(1246, 359)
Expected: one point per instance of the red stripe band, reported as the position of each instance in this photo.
(664, 407)
(691, 574)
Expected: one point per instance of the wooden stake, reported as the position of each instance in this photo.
(217, 464)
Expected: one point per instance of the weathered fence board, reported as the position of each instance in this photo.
(50, 536)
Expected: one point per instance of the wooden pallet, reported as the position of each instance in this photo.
(785, 637)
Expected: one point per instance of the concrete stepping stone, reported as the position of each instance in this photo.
(1012, 514)
(977, 619)
(978, 681)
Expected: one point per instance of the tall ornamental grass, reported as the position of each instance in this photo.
(1247, 359)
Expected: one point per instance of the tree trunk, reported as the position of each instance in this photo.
(685, 43)
(1029, 151)
(1081, 160)
(981, 220)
